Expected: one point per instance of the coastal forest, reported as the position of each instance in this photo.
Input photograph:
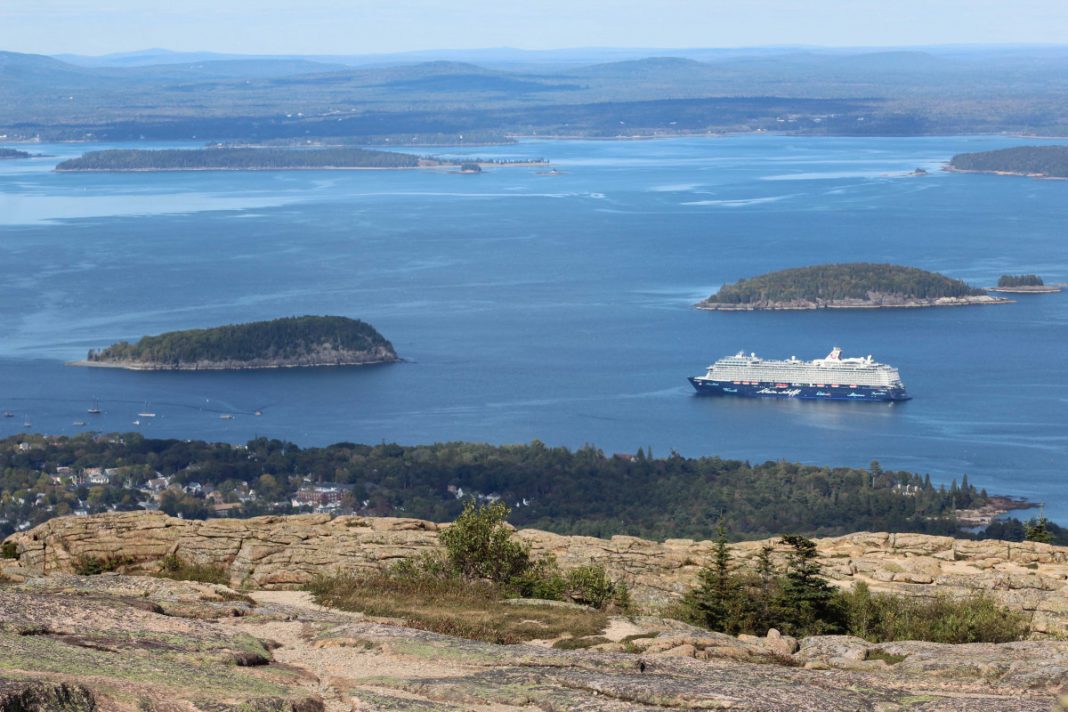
(584, 491)
(832, 282)
(1048, 161)
(285, 339)
(244, 159)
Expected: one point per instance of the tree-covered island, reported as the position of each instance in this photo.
(1033, 161)
(262, 158)
(242, 159)
(1023, 284)
(858, 285)
(280, 343)
(10, 153)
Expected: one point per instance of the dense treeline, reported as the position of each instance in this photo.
(1020, 280)
(823, 283)
(279, 339)
(571, 492)
(9, 153)
(245, 159)
(1051, 161)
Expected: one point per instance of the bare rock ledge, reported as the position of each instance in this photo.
(285, 552)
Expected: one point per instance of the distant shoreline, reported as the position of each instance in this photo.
(1037, 176)
(854, 304)
(439, 166)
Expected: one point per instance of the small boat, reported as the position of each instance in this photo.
(94, 409)
(226, 416)
(79, 423)
(258, 413)
(146, 413)
(8, 414)
(27, 424)
(137, 422)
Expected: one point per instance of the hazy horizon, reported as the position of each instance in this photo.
(337, 27)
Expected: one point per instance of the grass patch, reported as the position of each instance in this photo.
(173, 567)
(454, 606)
(888, 658)
(94, 565)
(580, 643)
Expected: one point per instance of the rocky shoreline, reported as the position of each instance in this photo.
(875, 302)
(258, 365)
(1045, 289)
(1018, 174)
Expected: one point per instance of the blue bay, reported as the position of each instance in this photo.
(557, 307)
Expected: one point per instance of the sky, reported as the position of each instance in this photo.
(379, 26)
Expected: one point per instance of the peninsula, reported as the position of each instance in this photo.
(241, 159)
(281, 343)
(265, 158)
(10, 153)
(857, 285)
(1031, 161)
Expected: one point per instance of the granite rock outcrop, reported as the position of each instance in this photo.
(278, 552)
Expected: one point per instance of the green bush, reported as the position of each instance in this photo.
(479, 545)
(9, 550)
(942, 619)
(591, 586)
(173, 567)
(93, 565)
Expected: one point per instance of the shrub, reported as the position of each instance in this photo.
(173, 567)
(9, 550)
(591, 586)
(941, 619)
(479, 545)
(86, 565)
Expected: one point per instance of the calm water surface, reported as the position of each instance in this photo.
(557, 307)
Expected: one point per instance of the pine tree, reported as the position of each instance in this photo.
(715, 598)
(808, 604)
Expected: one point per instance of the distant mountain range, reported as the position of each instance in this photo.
(492, 93)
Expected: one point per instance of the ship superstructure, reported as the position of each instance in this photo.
(829, 378)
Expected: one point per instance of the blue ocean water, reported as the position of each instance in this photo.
(552, 307)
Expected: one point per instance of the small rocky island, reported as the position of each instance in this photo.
(281, 343)
(1023, 284)
(1031, 161)
(857, 285)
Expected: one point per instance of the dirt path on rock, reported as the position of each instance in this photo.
(341, 673)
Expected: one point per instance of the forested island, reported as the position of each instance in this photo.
(10, 153)
(857, 285)
(1033, 161)
(1023, 284)
(280, 343)
(243, 159)
(584, 491)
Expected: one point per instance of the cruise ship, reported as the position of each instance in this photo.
(829, 378)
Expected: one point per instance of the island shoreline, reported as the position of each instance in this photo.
(215, 366)
(813, 306)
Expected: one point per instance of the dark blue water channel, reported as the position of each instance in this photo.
(553, 307)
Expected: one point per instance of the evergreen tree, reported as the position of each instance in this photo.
(1038, 530)
(714, 601)
(808, 605)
